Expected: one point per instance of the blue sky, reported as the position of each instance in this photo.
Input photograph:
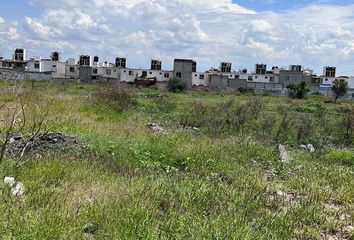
(245, 32)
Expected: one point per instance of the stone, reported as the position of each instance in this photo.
(18, 190)
(10, 181)
(303, 147)
(90, 228)
(156, 128)
(284, 155)
(311, 148)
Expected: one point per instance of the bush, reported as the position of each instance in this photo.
(298, 90)
(176, 85)
(116, 96)
(340, 88)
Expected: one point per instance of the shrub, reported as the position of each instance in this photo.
(165, 103)
(116, 96)
(340, 88)
(176, 85)
(298, 90)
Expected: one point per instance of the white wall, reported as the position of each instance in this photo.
(200, 78)
(74, 74)
(259, 77)
(351, 82)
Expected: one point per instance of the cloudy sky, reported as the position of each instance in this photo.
(276, 32)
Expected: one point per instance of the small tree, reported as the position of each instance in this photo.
(176, 85)
(340, 88)
(298, 90)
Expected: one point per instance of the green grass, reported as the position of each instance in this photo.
(215, 183)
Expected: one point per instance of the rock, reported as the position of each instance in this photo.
(284, 155)
(90, 228)
(310, 148)
(18, 190)
(196, 129)
(344, 217)
(156, 128)
(303, 147)
(349, 229)
(10, 181)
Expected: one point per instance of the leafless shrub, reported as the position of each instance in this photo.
(305, 128)
(346, 126)
(18, 113)
(116, 96)
(286, 124)
(165, 103)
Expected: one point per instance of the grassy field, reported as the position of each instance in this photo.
(216, 174)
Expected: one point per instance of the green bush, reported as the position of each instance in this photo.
(298, 90)
(176, 85)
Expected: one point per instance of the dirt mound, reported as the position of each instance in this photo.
(40, 144)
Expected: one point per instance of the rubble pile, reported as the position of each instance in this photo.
(40, 143)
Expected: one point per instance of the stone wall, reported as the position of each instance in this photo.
(9, 74)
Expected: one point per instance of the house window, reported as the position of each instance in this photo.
(54, 66)
(36, 65)
(195, 75)
(125, 71)
(95, 71)
(150, 73)
(160, 73)
(179, 74)
(201, 76)
(108, 71)
(255, 77)
(72, 69)
(250, 78)
(266, 77)
(271, 79)
(131, 73)
(167, 75)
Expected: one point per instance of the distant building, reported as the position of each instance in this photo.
(225, 67)
(85, 60)
(19, 54)
(183, 69)
(121, 62)
(156, 64)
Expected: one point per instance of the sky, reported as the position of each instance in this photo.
(276, 32)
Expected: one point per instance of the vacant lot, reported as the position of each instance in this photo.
(212, 172)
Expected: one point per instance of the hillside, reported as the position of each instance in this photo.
(213, 170)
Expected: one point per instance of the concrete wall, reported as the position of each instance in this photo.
(85, 74)
(8, 74)
(287, 77)
(186, 70)
(218, 81)
(69, 74)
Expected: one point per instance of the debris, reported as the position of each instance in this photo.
(310, 148)
(303, 147)
(156, 128)
(39, 144)
(17, 188)
(284, 155)
(90, 228)
(10, 181)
